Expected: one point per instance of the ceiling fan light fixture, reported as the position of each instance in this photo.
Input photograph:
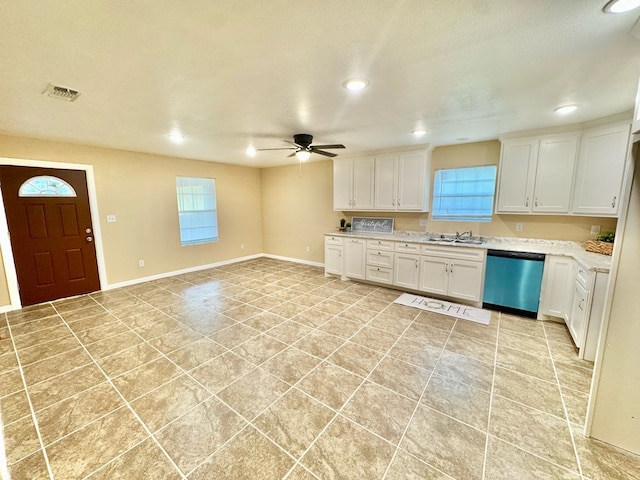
(356, 84)
(621, 6)
(565, 109)
(303, 155)
(419, 132)
(176, 137)
(251, 151)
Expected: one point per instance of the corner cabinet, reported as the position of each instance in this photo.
(353, 184)
(401, 182)
(600, 171)
(536, 174)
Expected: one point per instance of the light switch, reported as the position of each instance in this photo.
(111, 218)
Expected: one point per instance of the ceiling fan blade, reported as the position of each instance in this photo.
(292, 155)
(337, 145)
(265, 149)
(322, 152)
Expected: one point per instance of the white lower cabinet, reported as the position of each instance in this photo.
(380, 258)
(333, 249)
(557, 286)
(453, 271)
(406, 271)
(577, 318)
(355, 258)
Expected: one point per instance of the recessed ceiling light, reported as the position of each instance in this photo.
(356, 84)
(251, 151)
(565, 109)
(621, 6)
(419, 133)
(176, 137)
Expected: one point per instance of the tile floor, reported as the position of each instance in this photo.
(268, 370)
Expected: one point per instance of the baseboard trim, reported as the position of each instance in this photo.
(294, 260)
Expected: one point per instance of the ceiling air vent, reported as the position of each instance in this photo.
(64, 93)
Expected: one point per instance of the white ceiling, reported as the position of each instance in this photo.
(230, 73)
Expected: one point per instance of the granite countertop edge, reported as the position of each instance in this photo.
(591, 261)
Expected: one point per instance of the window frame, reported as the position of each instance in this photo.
(207, 203)
(438, 197)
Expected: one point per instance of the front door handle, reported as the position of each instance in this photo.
(89, 239)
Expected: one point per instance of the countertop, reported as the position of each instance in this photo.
(591, 261)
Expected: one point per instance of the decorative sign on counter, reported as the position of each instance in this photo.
(372, 224)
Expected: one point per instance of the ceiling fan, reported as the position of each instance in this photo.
(304, 149)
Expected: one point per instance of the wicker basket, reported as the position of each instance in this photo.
(605, 248)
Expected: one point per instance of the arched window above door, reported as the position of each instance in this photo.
(46, 186)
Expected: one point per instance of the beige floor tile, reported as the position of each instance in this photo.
(390, 323)
(72, 413)
(340, 327)
(329, 384)
(8, 362)
(458, 400)
(291, 365)
(259, 349)
(576, 403)
(524, 343)
(415, 353)
(526, 363)
(601, 461)
(426, 335)
(506, 462)
(216, 374)
(529, 391)
(52, 366)
(145, 378)
(574, 377)
(196, 353)
(14, 406)
(319, 344)
(169, 401)
(557, 332)
(312, 317)
(356, 358)
(47, 349)
(486, 333)
(190, 439)
(436, 320)
(242, 312)
(128, 359)
(252, 393)
(94, 321)
(405, 466)
(63, 386)
(534, 431)
(567, 353)
(264, 321)
(111, 345)
(249, 455)
(95, 444)
(361, 312)
(10, 382)
(234, 335)
(33, 467)
(178, 338)
(101, 332)
(41, 336)
(31, 313)
(345, 450)
(375, 339)
(472, 348)
(289, 331)
(288, 309)
(294, 421)
(450, 446)
(380, 410)
(300, 473)
(36, 325)
(527, 326)
(465, 370)
(401, 377)
(89, 311)
(20, 439)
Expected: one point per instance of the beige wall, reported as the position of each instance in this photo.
(298, 209)
(556, 227)
(140, 190)
(616, 404)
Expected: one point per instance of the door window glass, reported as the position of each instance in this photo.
(46, 186)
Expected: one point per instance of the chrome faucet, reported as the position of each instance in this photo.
(461, 236)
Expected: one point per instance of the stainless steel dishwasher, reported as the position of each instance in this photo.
(512, 282)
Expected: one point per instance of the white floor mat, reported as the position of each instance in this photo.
(457, 310)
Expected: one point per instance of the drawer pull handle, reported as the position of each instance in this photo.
(613, 203)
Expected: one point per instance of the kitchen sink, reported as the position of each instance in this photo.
(465, 241)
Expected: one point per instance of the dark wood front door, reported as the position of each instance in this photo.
(51, 232)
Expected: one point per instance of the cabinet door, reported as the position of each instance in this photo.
(600, 171)
(517, 176)
(412, 185)
(355, 256)
(385, 182)
(434, 274)
(363, 174)
(554, 173)
(406, 271)
(342, 184)
(578, 316)
(333, 259)
(559, 277)
(465, 280)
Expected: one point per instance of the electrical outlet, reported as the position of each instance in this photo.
(141, 263)
(519, 227)
(423, 222)
(242, 246)
(111, 218)
(307, 249)
(595, 229)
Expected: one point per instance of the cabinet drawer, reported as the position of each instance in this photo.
(583, 277)
(332, 240)
(407, 247)
(380, 258)
(460, 253)
(380, 274)
(380, 245)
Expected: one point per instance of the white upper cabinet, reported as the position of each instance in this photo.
(536, 174)
(353, 184)
(401, 181)
(600, 171)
